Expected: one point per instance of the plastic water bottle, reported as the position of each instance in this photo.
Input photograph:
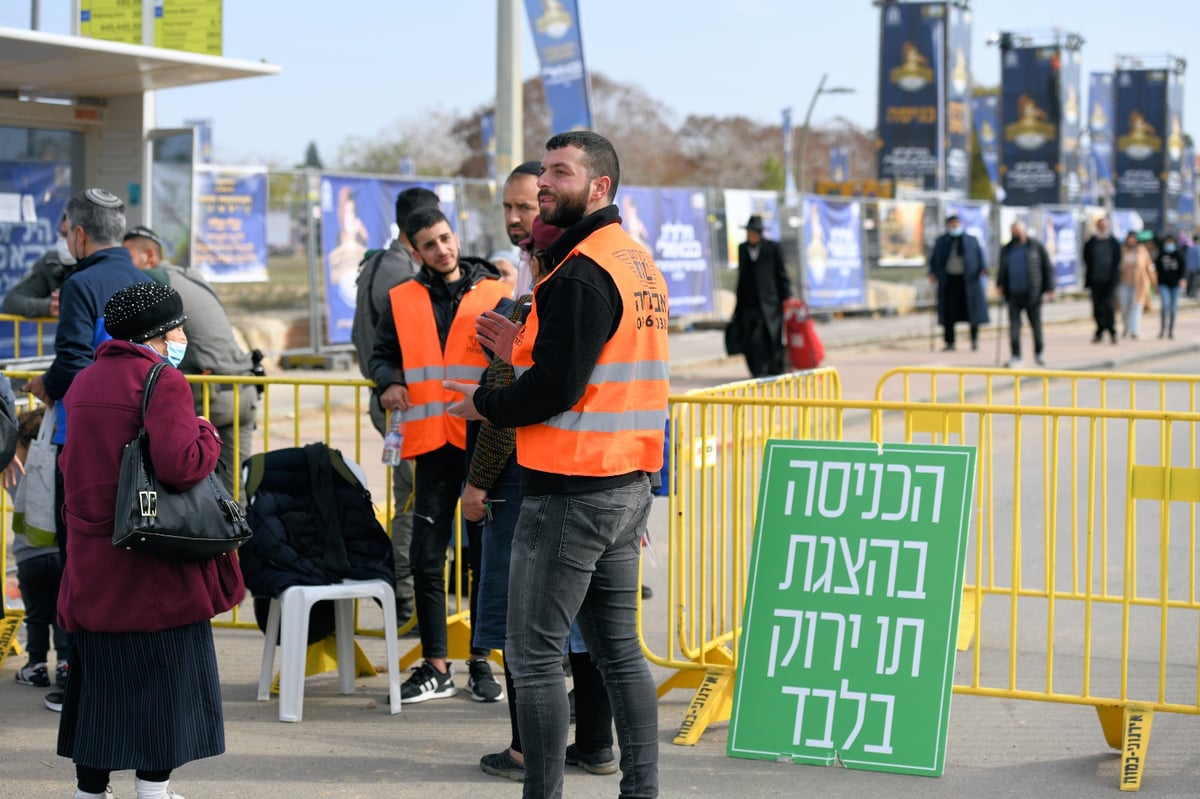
(393, 440)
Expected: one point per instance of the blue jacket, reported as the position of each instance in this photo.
(80, 330)
(974, 274)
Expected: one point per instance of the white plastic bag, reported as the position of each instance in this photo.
(33, 504)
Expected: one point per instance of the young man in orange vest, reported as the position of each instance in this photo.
(426, 334)
(589, 405)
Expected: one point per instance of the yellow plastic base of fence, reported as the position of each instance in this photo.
(968, 612)
(1127, 729)
(711, 704)
(322, 657)
(8, 633)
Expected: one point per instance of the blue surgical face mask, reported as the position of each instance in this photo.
(175, 352)
(955, 231)
(1168, 248)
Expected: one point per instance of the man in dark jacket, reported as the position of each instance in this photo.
(1025, 277)
(36, 295)
(443, 301)
(957, 266)
(380, 271)
(762, 286)
(1102, 274)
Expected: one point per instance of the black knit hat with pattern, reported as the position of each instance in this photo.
(142, 311)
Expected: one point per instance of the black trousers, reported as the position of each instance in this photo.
(1032, 306)
(437, 485)
(1102, 308)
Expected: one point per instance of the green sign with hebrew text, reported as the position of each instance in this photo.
(847, 645)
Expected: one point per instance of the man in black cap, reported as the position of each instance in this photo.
(957, 267)
(95, 225)
(762, 286)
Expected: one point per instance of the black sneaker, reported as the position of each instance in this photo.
(502, 764)
(599, 762)
(481, 684)
(35, 674)
(54, 700)
(428, 683)
(61, 673)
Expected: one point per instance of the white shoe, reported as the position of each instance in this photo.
(1040, 360)
(1014, 363)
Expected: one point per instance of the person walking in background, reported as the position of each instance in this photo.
(1137, 280)
(762, 286)
(1026, 275)
(380, 272)
(212, 350)
(144, 692)
(1191, 259)
(1102, 275)
(957, 268)
(1169, 271)
(589, 404)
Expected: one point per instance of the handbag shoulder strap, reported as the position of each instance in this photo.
(151, 379)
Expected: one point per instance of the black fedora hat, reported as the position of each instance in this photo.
(755, 223)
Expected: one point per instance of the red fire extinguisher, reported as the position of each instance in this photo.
(804, 347)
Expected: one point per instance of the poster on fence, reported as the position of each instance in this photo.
(847, 647)
(834, 274)
(673, 225)
(32, 199)
(1061, 237)
(358, 214)
(901, 233)
(231, 224)
(740, 205)
(975, 219)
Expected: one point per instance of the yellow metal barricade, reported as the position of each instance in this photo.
(24, 325)
(1057, 608)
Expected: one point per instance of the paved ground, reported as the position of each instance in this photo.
(348, 746)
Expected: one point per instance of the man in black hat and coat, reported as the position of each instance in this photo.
(762, 286)
(957, 266)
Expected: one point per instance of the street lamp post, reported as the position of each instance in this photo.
(821, 89)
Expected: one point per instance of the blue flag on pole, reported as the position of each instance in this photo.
(559, 43)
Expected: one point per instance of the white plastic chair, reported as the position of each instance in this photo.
(291, 611)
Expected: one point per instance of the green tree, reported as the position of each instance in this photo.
(773, 175)
(312, 159)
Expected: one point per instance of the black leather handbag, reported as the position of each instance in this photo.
(198, 523)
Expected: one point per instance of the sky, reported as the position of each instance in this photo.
(359, 67)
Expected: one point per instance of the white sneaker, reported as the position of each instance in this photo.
(1014, 363)
(1040, 360)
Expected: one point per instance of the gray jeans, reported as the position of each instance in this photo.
(585, 548)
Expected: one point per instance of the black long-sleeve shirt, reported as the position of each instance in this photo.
(579, 309)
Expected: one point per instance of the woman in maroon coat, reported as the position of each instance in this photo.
(143, 692)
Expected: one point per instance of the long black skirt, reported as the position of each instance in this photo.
(149, 701)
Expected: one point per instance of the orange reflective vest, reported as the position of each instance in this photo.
(427, 426)
(616, 427)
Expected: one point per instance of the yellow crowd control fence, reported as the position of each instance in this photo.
(1056, 608)
(23, 326)
(292, 412)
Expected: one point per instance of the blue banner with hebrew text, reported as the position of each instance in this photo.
(559, 43)
(834, 273)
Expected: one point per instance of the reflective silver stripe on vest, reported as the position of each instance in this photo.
(426, 410)
(420, 375)
(606, 422)
(461, 372)
(621, 372)
(628, 372)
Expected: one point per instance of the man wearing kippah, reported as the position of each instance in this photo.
(213, 350)
(95, 225)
